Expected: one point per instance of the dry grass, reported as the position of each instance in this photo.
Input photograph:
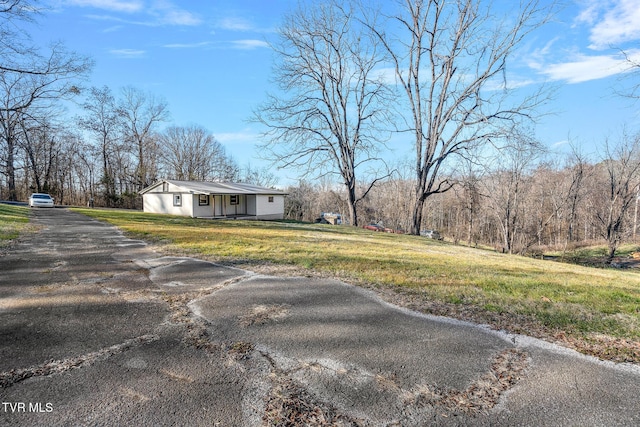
(13, 220)
(542, 298)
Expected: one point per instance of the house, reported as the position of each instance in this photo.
(213, 200)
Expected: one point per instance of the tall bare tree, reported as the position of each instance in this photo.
(24, 96)
(326, 118)
(31, 79)
(192, 153)
(141, 112)
(15, 43)
(450, 60)
(102, 121)
(579, 169)
(508, 186)
(620, 181)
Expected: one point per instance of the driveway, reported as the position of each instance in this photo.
(97, 329)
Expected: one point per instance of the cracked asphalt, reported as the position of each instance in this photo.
(97, 330)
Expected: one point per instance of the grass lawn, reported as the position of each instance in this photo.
(596, 311)
(13, 220)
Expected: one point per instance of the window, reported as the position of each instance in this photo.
(234, 199)
(165, 187)
(270, 199)
(203, 200)
(177, 200)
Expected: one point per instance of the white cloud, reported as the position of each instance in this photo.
(169, 14)
(187, 45)
(235, 24)
(613, 22)
(127, 53)
(585, 68)
(180, 17)
(560, 143)
(161, 12)
(112, 5)
(249, 44)
(112, 29)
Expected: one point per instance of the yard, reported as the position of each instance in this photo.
(596, 311)
(13, 220)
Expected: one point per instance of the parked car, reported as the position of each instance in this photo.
(373, 227)
(431, 234)
(40, 200)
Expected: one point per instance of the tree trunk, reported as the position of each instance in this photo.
(416, 217)
(11, 171)
(351, 202)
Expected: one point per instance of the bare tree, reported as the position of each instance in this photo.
(26, 95)
(192, 153)
(579, 170)
(620, 179)
(327, 118)
(469, 185)
(508, 187)
(263, 176)
(103, 122)
(450, 60)
(631, 74)
(39, 140)
(30, 79)
(16, 49)
(140, 113)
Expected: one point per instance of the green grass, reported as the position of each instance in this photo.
(13, 220)
(556, 296)
(593, 255)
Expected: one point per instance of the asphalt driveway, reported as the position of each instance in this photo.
(97, 329)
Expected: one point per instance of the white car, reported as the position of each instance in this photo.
(40, 200)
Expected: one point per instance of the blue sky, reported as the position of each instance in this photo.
(211, 61)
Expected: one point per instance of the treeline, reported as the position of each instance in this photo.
(112, 146)
(519, 202)
(110, 151)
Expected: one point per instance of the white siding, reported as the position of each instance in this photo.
(163, 203)
(160, 199)
(269, 210)
(251, 205)
(160, 188)
(202, 211)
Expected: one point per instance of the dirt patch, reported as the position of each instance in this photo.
(261, 314)
(196, 334)
(484, 393)
(289, 404)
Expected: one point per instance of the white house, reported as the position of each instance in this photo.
(213, 200)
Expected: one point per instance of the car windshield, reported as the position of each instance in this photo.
(41, 196)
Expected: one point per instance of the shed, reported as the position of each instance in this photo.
(200, 199)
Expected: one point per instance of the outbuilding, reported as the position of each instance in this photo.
(199, 199)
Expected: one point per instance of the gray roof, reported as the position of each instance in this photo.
(202, 187)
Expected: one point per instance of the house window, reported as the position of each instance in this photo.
(270, 199)
(234, 199)
(177, 200)
(203, 200)
(165, 187)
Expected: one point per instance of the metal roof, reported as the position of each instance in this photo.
(202, 187)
